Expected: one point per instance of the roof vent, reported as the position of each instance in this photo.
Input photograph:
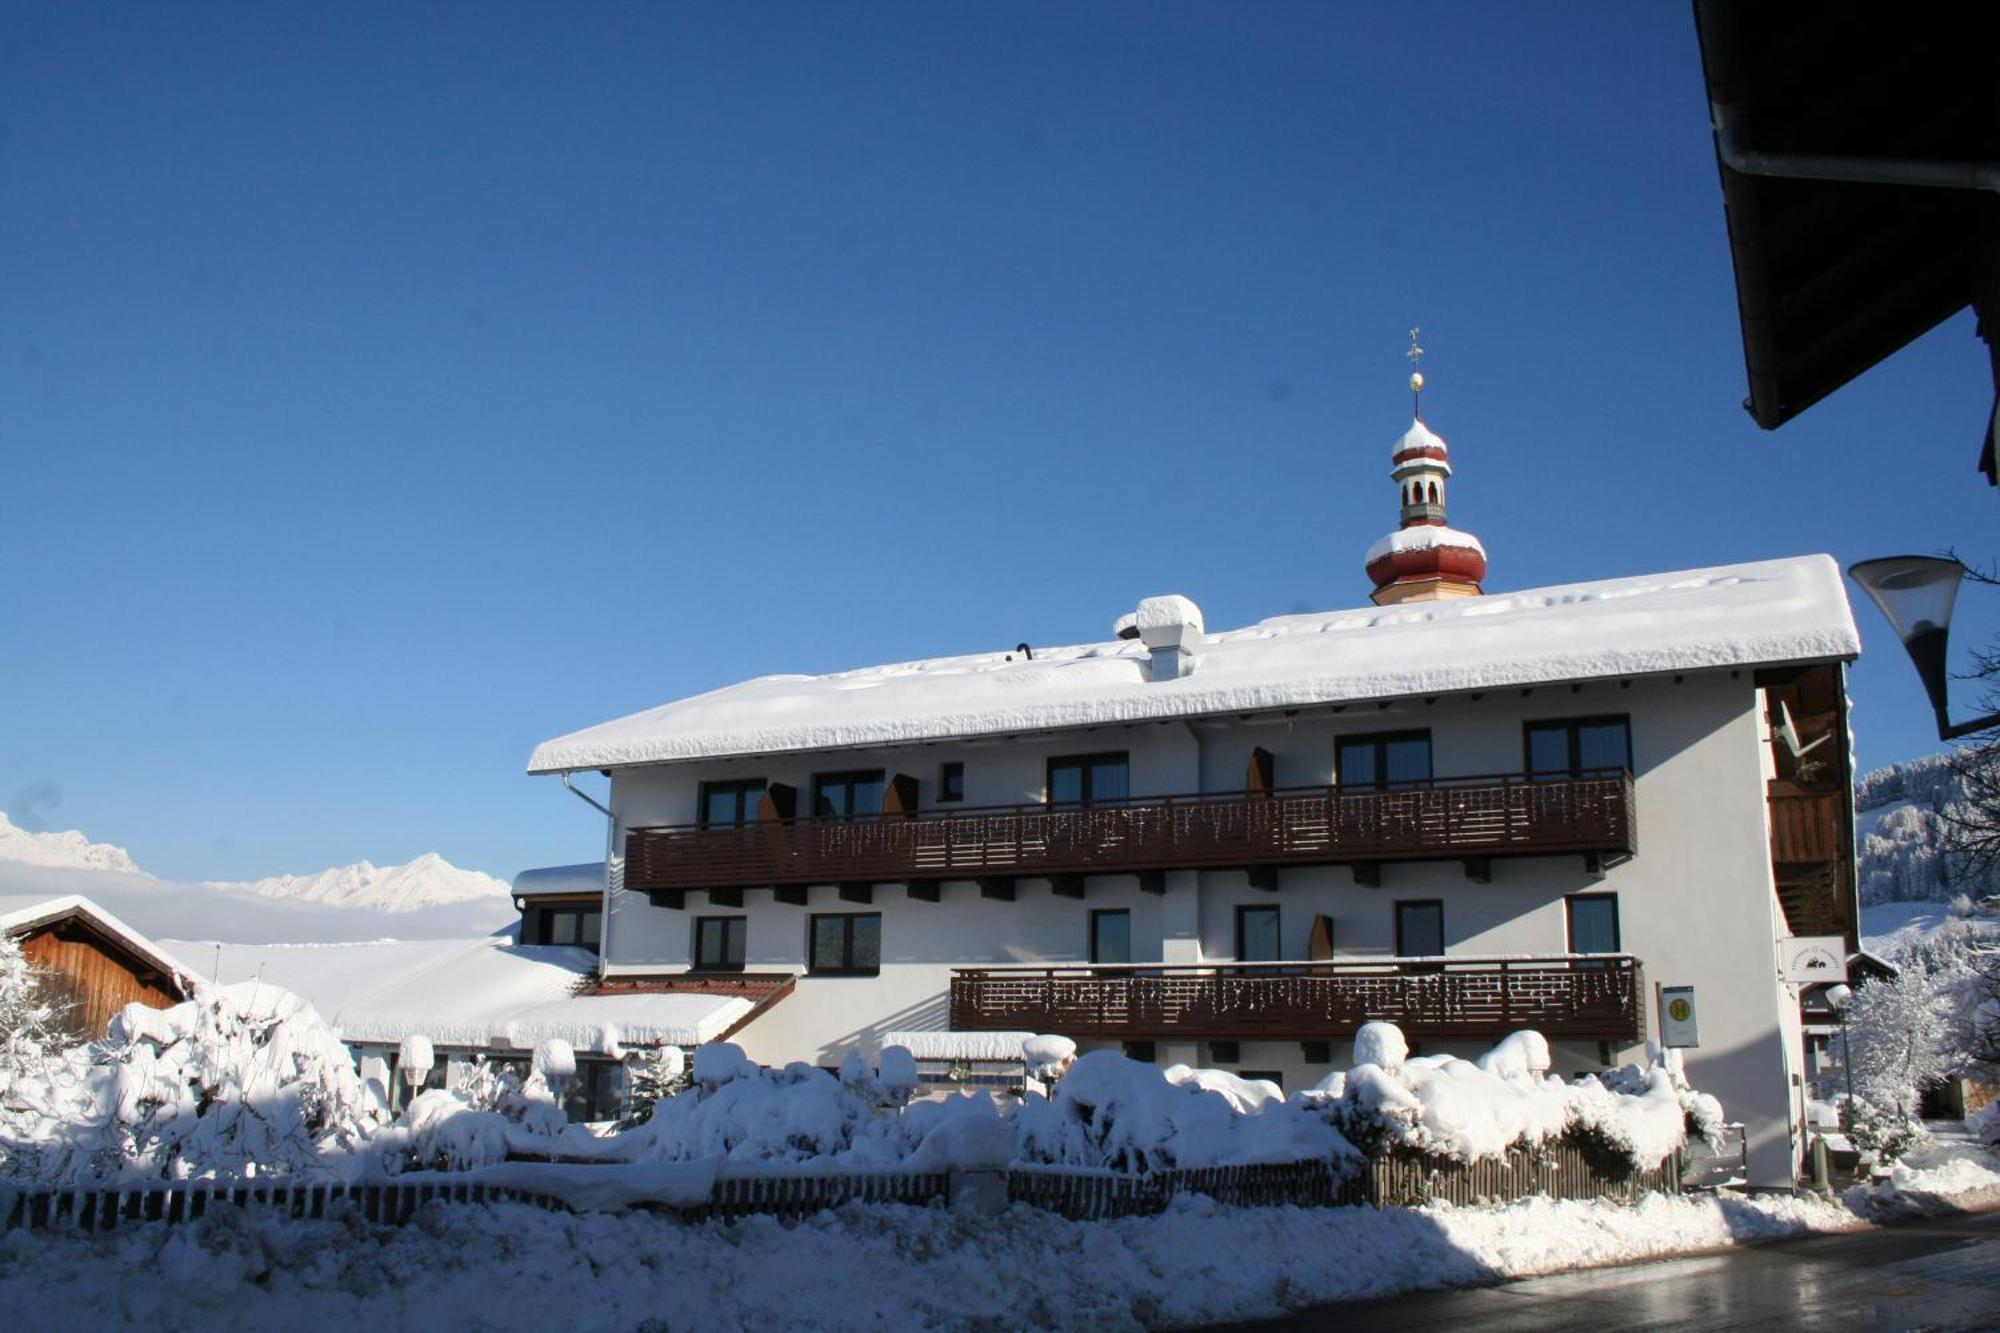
(1171, 628)
(1126, 626)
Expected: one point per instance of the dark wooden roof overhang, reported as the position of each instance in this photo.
(1834, 276)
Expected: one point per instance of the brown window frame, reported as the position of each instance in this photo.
(1085, 762)
(1574, 745)
(878, 776)
(1098, 914)
(1380, 739)
(1277, 916)
(1569, 924)
(951, 782)
(746, 810)
(743, 944)
(546, 919)
(1398, 907)
(847, 969)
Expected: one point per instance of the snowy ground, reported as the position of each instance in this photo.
(883, 1266)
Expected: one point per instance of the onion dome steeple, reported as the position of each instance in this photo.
(1424, 559)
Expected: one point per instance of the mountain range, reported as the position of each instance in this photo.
(353, 899)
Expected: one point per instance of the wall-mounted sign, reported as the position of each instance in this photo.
(1809, 959)
(1678, 1023)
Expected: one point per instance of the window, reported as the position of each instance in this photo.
(578, 926)
(1089, 779)
(1420, 929)
(730, 804)
(845, 795)
(1111, 936)
(597, 1092)
(1257, 935)
(718, 942)
(1145, 1052)
(1387, 759)
(1579, 744)
(848, 943)
(951, 782)
(1262, 1075)
(1593, 923)
(1224, 1052)
(1316, 1052)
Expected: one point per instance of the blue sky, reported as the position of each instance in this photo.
(384, 389)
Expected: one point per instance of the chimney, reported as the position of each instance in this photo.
(1171, 629)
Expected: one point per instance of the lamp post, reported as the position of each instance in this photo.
(1839, 997)
(1915, 594)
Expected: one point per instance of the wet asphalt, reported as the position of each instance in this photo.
(1942, 1274)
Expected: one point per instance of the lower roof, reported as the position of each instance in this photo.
(21, 915)
(484, 993)
(1767, 613)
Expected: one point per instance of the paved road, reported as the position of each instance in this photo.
(1942, 1275)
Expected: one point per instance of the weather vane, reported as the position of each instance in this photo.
(1416, 355)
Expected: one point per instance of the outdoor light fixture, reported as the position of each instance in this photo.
(1915, 594)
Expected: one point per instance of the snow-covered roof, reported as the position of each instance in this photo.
(1773, 611)
(484, 992)
(1424, 537)
(587, 877)
(1418, 436)
(20, 914)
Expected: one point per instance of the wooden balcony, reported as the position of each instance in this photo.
(1442, 819)
(1592, 999)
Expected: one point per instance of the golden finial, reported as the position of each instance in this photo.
(1416, 355)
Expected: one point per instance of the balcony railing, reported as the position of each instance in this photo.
(1440, 819)
(1594, 998)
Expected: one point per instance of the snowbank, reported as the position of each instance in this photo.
(861, 1267)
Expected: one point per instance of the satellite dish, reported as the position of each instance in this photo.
(1789, 733)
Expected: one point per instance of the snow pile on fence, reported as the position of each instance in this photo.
(243, 1080)
(1467, 1110)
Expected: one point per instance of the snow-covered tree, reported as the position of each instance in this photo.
(1904, 1032)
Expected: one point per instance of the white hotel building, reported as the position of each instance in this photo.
(1465, 813)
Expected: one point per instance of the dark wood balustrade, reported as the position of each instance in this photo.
(1806, 826)
(1597, 999)
(1441, 819)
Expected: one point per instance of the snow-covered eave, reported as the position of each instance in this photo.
(19, 922)
(554, 757)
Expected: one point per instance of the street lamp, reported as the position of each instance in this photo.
(1915, 594)
(1838, 997)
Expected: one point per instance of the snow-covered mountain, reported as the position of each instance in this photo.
(1899, 833)
(428, 881)
(69, 849)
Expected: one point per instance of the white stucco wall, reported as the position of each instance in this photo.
(1696, 904)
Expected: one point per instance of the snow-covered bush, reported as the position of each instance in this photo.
(743, 1112)
(1046, 1057)
(1880, 1133)
(242, 1079)
(651, 1073)
(1108, 1111)
(1466, 1110)
(41, 1083)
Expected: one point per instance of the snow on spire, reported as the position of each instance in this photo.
(1424, 558)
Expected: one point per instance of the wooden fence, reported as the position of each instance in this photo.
(101, 1209)
(796, 1196)
(1563, 1171)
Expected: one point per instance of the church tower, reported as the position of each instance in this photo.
(1424, 559)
